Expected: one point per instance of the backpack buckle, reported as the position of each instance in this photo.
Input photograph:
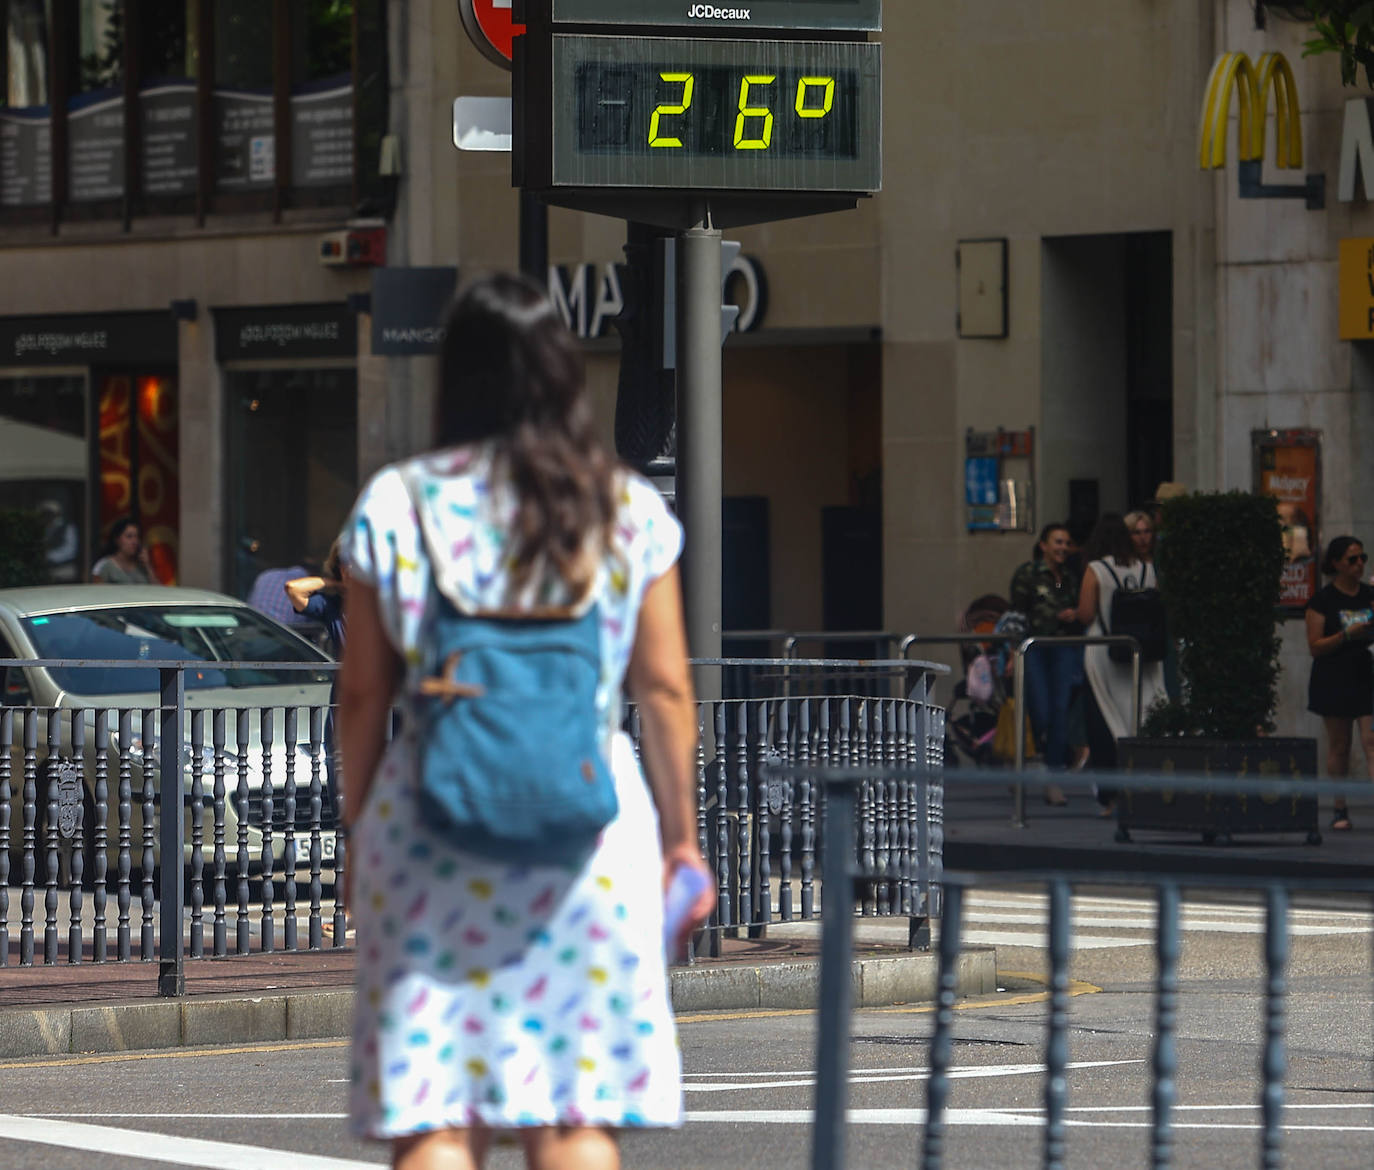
(445, 685)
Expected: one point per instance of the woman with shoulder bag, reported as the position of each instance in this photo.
(514, 992)
(1341, 686)
(1114, 563)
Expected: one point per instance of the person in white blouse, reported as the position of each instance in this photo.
(1113, 561)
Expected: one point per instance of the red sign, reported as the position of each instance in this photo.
(1289, 469)
(490, 26)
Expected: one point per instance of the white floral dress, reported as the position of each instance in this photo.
(488, 993)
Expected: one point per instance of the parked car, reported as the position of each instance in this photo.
(151, 623)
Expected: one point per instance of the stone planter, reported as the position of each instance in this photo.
(1217, 817)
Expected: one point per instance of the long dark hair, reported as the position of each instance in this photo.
(1110, 538)
(1335, 553)
(511, 372)
(114, 532)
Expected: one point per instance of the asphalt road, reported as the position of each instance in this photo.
(751, 1075)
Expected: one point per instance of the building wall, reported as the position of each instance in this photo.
(1033, 122)
(1041, 124)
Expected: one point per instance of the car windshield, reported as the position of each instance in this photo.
(184, 633)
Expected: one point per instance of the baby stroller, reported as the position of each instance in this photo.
(971, 717)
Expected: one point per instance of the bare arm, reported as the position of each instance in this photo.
(1087, 598)
(660, 682)
(1320, 644)
(368, 681)
(301, 589)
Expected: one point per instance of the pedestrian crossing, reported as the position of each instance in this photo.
(1021, 919)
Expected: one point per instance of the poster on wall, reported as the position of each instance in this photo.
(999, 474)
(169, 138)
(25, 157)
(95, 147)
(1287, 466)
(322, 136)
(245, 144)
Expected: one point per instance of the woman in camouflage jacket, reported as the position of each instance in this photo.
(1046, 591)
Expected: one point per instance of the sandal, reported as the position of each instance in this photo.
(1340, 821)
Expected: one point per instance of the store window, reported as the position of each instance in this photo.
(138, 462)
(168, 65)
(241, 105)
(322, 93)
(25, 117)
(245, 139)
(44, 463)
(95, 106)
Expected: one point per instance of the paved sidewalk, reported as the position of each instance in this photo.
(263, 997)
(980, 836)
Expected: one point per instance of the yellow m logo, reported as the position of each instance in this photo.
(1233, 71)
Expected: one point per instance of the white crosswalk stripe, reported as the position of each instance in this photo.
(1020, 919)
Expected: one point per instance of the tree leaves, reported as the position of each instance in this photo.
(1220, 559)
(1344, 27)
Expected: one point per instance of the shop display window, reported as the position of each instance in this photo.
(44, 462)
(120, 108)
(138, 462)
(25, 116)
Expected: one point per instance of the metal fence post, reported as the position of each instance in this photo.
(837, 934)
(171, 978)
(1018, 692)
(922, 908)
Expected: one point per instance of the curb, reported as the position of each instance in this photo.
(327, 1013)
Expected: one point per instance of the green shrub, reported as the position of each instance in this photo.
(1220, 558)
(23, 559)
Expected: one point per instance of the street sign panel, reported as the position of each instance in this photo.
(491, 27)
(740, 15)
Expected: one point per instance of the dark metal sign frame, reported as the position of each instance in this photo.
(736, 15)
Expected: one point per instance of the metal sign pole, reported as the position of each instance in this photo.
(699, 442)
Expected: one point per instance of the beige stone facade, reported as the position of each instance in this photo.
(1138, 287)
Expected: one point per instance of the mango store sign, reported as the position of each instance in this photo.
(589, 298)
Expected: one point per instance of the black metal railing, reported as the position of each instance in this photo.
(847, 870)
(83, 789)
(761, 834)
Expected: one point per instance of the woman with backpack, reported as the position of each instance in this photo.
(1341, 687)
(511, 974)
(1116, 570)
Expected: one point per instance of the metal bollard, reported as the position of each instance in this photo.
(837, 946)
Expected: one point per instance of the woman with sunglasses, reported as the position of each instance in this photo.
(1340, 626)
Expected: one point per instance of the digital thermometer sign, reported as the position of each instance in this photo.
(711, 114)
(741, 15)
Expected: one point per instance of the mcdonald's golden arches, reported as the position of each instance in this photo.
(1251, 84)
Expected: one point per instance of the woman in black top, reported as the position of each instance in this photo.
(1340, 626)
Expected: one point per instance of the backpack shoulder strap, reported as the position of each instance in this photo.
(1115, 579)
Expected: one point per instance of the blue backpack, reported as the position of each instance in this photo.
(510, 757)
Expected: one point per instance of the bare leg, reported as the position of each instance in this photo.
(1365, 723)
(1338, 756)
(443, 1149)
(571, 1148)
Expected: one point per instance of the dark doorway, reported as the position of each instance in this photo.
(746, 585)
(852, 575)
(293, 465)
(1106, 369)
